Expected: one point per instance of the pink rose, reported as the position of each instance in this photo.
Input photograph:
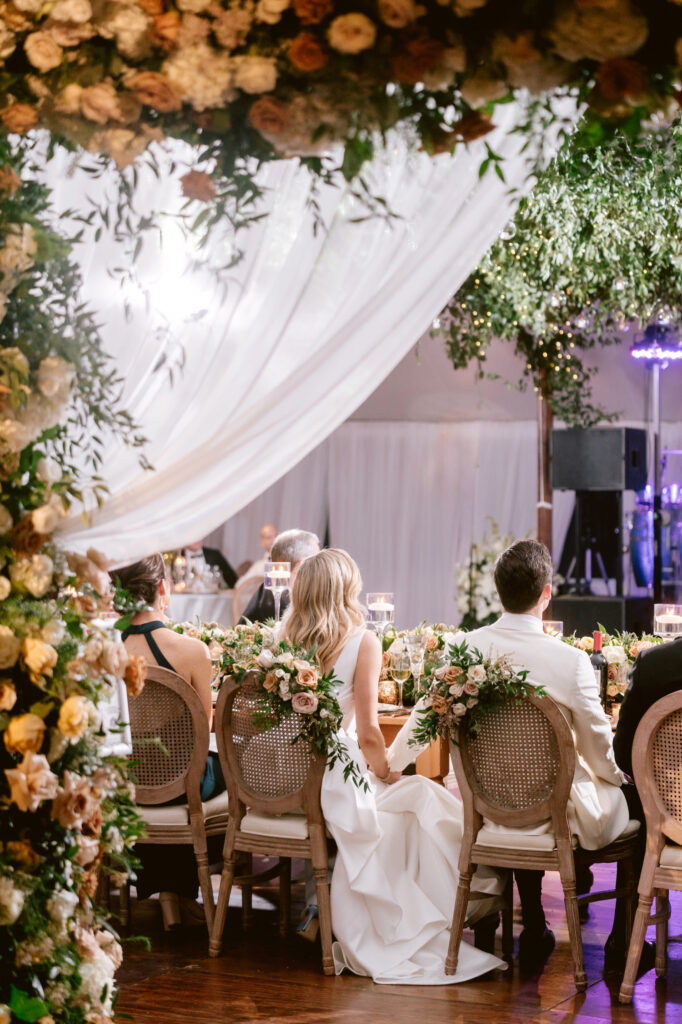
(304, 703)
(456, 689)
(459, 710)
(75, 802)
(471, 689)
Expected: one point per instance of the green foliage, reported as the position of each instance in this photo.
(594, 251)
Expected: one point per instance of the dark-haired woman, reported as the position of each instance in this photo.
(169, 870)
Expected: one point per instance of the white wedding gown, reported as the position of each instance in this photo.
(395, 877)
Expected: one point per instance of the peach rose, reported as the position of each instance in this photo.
(31, 782)
(312, 12)
(639, 645)
(431, 643)
(453, 673)
(24, 733)
(473, 126)
(152, 7)
(271, 682)
(9, 181)
(306, 676)
(74, 715)
(20, 851)
(99, 103)
(88, 851)
(167, 29)
(420, 53)
(470, 689)
(135, 675)
(399, 13)
(198, 185)
(114, 658)
(304, 703)
(269, 115)
(19, 118)
(42, 51)
(351, 33)
(306, 53)
(39, 658)
(156, 90)
(74, 802)
(8, 695)
(472, 702)
(439, 704)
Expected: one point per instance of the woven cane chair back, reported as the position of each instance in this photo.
(520, 763)
(170, 736)
(657, 765)
(270, 769)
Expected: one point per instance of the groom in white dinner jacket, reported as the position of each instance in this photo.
(597, 809)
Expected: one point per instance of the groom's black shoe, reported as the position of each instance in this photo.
(484, 932)
(535, 947)
(615, 955)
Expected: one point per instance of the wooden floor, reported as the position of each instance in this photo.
(260, 977)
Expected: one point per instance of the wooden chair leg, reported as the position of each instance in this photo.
(226, 879)
(320, 861)
(662, 915)
(284, 895)
(247, 893)
(458, 919)
(508, 921)
(630, 882)
(575, 936)
(635, 948)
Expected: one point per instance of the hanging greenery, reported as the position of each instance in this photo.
(594, 251)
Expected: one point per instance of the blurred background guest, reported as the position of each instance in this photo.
(292, 546)
(212, 557)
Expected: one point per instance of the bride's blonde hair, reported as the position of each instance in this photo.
(325, 605)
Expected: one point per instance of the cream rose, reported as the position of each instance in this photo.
(44, 519)
(74, 803)
(457, 689)
(53, 632)
(8, 695)
(286, 659)
(33, 574)
(55, 377)
(77, 11)
(61, 907)
(42, 51)
(74, 716)
(24, 733)
(114, 658)
(265, 659)
(11, 901)
(68, 100)
(31, 782)
(598, 31)
(5, 588)
(459, 709)
(304, 703)
(351, 33)
(48, 470)
(476, 674)
(471, 689)
(6, 521)
(399, 13)
(270, 11)
(39, 658)
(255, 74)
(10, 645)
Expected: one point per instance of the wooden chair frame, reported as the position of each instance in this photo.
(563, 858)
(655, 881)
(189, 784)
(241, 796)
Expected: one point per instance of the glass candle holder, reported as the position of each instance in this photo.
(668, 620)
(277, 578)
(380, 611)
(553, 627)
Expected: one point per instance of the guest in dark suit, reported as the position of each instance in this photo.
(656, 673)
(212, 556)
(292, 546)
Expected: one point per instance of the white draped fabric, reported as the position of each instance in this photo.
(305, 330)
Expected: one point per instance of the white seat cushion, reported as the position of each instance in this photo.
(285, 826)
(178, 814)
(518, 839)
(215, 807)
(671, 856)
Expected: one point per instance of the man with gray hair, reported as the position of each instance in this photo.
(292, 546)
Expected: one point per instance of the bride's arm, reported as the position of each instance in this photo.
(366, 691)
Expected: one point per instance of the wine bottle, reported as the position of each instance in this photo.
(601, 667)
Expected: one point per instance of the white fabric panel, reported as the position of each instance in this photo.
(307, 328)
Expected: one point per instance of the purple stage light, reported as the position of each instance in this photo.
(659, 344)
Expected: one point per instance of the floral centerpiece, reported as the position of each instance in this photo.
(289, 682)
(393, 642)
(621, 651)
(467, 688)
(66, 804)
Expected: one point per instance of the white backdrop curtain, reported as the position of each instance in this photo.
(307, 329)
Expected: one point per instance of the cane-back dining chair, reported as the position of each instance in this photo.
(517, 771)
(170, 734)
(657, 771)
(273, 782)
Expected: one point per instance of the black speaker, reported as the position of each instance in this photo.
(603, 459)
(584, 614)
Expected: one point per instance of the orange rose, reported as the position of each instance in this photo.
(9, 181)
(155, 90)
(420, 53)
(271, 682)
(152, 7)
(439, 704)
(19, 118)
(473, 126)
(135, 675)
(167, 29)
(306, 53)
(198, 185)
(312, 12)
(621, 77)
(269, 115)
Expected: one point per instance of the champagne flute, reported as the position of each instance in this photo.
(277, 577)
(415, 642)
(399, 670)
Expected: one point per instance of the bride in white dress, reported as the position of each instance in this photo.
(395, 877)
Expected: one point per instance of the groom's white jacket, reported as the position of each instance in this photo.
(597, 811)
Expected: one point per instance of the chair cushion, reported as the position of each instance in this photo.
(517, 839)
(671, 856)
(285, 826)
(631, 829)
(178, 814)
(215, 807)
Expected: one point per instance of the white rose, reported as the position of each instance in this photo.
(44, 519)
(48, 470)
(286, 658)
(255, 74)
(5, 588)
(55, 377)
(351, 33)
(61, 906)
(14, 436)
(78, 11)
(614, 654)
(34, 574)
(6, 521)
(266, 659)
(10, 645)
(270, 11)
(11, 901)
(42, 51)
(53, 632)
(201, 75)
(476, 673)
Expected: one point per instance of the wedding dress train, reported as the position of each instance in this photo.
(395, 878)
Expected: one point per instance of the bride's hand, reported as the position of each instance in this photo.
(392, 777)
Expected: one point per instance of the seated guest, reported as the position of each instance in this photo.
(597, 809)
(169, 870)
(292, 546)
(212, 556)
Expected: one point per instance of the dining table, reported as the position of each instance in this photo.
(188, 606)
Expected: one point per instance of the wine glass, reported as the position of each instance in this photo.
(416, 643)
(399, 670)
(381, 611)
(242, 655)
(277, 578)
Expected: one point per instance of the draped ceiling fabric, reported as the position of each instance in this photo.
(307, 327)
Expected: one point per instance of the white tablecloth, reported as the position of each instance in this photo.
(206, 607)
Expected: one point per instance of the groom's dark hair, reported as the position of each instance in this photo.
(521, 574)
